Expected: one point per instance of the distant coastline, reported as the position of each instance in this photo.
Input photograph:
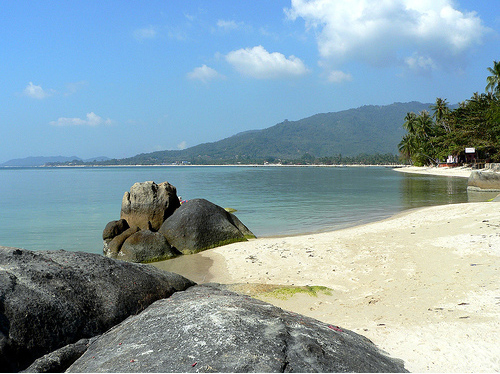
(201, 165)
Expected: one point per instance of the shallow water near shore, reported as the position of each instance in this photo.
(54, 208)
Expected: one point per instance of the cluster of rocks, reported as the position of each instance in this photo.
(82, 312)
(154, 226)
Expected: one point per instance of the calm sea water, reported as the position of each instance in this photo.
(53, 208)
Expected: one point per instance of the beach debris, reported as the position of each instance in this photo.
(336, 328)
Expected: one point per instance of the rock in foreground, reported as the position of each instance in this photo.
(49, 299)
(208, 329)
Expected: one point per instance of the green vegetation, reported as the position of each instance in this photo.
(475, 123)
(287, 292)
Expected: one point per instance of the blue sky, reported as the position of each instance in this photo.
(118, 78)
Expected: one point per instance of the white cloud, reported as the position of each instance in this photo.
(228, 25)
(381, 31)
(182, 145)
(259, 63)
(204, 74)
(420, 63)
(338, 76)
(37, 92)
(91, 119)
(145, 33)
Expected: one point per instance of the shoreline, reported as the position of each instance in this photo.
(423, 285)
(189, 165)
(459, 172)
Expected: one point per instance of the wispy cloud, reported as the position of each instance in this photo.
(231, 25)
(37, 92)
(420, 64)
(74, 87)
(258, 63)
(91, 119)
(204, 74)
(182, 145)
(228, 25)
(145, 33)
(385, 33)
(337, 76)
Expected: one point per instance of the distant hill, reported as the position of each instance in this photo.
(38, 161)
(366, 130)
(41, 160)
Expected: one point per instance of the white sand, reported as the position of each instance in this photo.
(461, 171)
(423, 285)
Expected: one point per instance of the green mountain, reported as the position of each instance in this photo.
(366, 130)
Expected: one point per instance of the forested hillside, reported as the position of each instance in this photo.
(368, 130)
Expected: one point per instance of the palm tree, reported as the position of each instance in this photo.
(415, 145)
(494, 79)
(440, 109)
(424, 125)
(410, 123)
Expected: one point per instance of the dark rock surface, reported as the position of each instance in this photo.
(199, 224)
(112, 247)
(146, 246)
(148, 204)
(208, 329)
(59, 360)
(49, 299)
(114, 228)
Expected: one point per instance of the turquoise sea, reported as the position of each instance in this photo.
(53, 208)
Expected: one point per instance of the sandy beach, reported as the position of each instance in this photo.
(423, 285)
(461, 171)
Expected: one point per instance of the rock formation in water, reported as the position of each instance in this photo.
(49, 299)
(148, 204)
(154, 226)
(199, 224)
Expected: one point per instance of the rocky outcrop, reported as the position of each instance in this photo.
(484, 180)
(114, 228)
(49, 299)
(146, 246)
(208, 329)
(112, 246)
(150, 208)
(148, 204)
(199, 224)
(59, 360)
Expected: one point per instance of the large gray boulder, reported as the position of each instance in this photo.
(49, 299)
(487, 180)
(199, 224)
(146, 246)
(148, 204)
(208, 329)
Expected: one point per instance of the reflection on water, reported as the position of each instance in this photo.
(422, 190)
